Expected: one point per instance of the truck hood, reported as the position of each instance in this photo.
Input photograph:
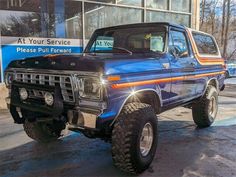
(106, 63)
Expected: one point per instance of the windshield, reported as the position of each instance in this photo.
(128, 40)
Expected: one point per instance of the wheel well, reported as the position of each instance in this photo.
(148, 97)
(214, 83)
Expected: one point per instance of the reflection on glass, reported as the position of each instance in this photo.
(153, 16)
(130, 2)
(128, 40)
(205, 44)
(41, 19)
(104, 1)
(98, 16)
(180, 5)
(157, 4)
(181, 19)
(73, 19)
(179, 43)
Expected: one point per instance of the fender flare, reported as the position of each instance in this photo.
(208, 83)
(156, 91)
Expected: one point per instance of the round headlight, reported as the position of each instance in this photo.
(48, 98)
(23, 93)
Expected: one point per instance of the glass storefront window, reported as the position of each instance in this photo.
(104, 1)
(181, 19)
(130, 2)
(26, 19)
(153, 16)
(98, 16)
(157, 4)
(41, 19)
(73, 19)
(181, 5)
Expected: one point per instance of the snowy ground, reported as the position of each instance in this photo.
(231, 81)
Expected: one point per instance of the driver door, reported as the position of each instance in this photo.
(182, 63)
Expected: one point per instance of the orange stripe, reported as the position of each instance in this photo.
(164, 80)
(113, 78)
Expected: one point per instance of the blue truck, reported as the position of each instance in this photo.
(116, 88)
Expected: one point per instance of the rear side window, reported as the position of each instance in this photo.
(205, 44)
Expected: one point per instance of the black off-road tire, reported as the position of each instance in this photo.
(126, 136)
(227, 75)
(200, 110)
(43, 132)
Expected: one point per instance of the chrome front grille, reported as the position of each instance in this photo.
(64, 81)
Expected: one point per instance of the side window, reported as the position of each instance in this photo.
(205, 44)
(178, 44)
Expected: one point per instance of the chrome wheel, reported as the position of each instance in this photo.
(212, 107)
(146, 139)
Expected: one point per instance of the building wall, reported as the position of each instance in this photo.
(195, 14)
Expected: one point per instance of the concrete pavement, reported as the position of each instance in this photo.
(183, 149)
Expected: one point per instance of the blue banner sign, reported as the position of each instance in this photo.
(14, 48)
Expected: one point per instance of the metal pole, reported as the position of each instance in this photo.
(1, 72)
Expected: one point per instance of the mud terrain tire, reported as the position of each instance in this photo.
(127, 134)
(43, 132)
(205, 110)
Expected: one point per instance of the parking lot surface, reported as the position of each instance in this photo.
(183, 149)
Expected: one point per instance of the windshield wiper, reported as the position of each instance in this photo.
(123, 49)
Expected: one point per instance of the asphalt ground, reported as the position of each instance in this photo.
(183, 149)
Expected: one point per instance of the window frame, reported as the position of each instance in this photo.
(186, 38)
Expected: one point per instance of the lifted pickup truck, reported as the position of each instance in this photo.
(126, 76)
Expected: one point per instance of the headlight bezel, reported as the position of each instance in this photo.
(98, 88)
(8, 78)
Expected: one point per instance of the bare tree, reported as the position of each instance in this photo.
(202, 5)
(219, 18)
(226, 29)
(223, 22)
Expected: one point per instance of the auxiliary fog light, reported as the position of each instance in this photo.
(23, 93)
(48, 98)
